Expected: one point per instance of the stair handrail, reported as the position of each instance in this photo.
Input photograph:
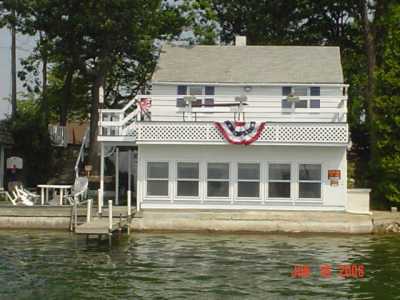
(126, 107)
(122, 122)
(81, 152)
(121, 111)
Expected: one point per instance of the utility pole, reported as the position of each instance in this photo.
(13, 71)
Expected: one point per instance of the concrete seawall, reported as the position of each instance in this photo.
(253, 221)
(218, 221)
(42, 217)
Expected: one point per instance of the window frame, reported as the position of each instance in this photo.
(161, 197)
(204, 96)
(228, 180)
(290, 181)
(199, 180)
(259, 180)
(308, 100)
(321, 181)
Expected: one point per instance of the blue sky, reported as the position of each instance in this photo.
(24, 46)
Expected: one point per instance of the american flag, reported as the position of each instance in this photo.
(144, 104)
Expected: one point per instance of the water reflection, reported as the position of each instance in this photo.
(57, 265)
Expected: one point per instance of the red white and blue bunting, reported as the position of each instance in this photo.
(240, 133)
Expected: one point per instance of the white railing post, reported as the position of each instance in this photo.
(117, 176)
(99, 201)
(129, 203)
(88, 211)
(110, 215)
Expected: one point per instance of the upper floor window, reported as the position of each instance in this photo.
(302, 92)
(204, 95)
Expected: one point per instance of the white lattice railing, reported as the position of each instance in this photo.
(206, 133)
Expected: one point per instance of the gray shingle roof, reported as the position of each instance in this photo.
(249, 64)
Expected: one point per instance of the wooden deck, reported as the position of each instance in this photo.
(98, 226)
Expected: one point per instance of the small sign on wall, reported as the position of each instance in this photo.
(334, 177)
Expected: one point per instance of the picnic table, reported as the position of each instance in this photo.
(63, 189)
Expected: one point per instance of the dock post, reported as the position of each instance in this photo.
(117, 176)
(99, 201)
(88, 212)
(110, 215)
(101, 192)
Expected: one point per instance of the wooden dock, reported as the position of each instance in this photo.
(99, 226)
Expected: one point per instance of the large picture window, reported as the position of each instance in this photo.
(188, 179)
(218, 180)
(249, 180)
(157, 178)
(310, 181)
(279, 181)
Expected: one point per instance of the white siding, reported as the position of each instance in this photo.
(264, 104)
(333, 197)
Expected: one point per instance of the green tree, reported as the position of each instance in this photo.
(387, 112)
(96, 43)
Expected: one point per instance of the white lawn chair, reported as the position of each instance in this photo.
(79, 190)
(32, 196)
(22, 197)
(13, 199)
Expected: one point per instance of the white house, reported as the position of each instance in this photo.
(297, 159)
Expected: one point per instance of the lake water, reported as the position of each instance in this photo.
(58, 265)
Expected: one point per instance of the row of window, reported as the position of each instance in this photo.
(207, 93)
(248, 180)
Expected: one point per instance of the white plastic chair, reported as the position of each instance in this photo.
(22, 196)
(13, 199)
(31, 195)
(79, 190)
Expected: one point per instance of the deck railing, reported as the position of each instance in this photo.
(166, 117)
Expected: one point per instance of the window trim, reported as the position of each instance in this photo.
(259, 180)
(203, 95)
(199, 180)
(308, 100)
(161, 197)
(228, 180)
(290, 181)
(321, 182)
